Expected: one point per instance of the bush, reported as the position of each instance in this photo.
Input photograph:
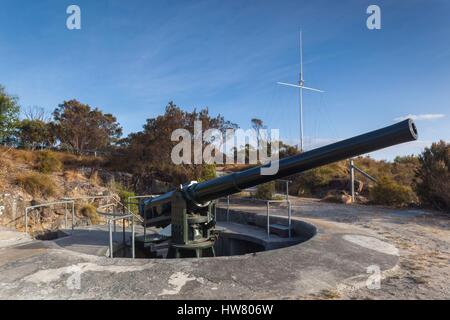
(37, 184)
(90, 211)
(433, 176)
(124, 194)
(388, 192)
(312, 181)
(265, 191)
(47, 162)
(208, 172)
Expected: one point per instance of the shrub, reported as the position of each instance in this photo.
(265, 191)
(124, 194)
(47, 162)
(208, 172)
(90, 211)
(312, 181)
(76, 161)
(433, 176)
(37, 184)
(388, 192)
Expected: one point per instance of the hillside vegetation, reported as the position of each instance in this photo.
(411, 180)
(144, 158)
(34, 177)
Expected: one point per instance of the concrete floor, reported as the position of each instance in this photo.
(339, 255)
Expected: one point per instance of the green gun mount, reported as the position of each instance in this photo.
(190, 208)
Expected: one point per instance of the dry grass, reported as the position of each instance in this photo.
(73, 175)
(90, 211)
(48, 162)
(37, 184)
(72, 160)
(19, 156)
(94, 179)
(30, 157)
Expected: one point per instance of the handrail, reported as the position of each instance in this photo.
(144, 219)
(353, 167)
(268, 202)
(147, 196)
(90, 197)
(48, 204)
(127, 208)
(111, 218)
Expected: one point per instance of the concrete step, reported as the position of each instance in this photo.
(279, 229)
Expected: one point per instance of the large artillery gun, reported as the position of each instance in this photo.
(190, 209)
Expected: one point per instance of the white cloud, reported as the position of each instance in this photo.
(426, 116)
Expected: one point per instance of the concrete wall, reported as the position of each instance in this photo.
(300, 229)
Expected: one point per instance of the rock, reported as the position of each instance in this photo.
(346, 199)
(359, 186)
(361, 199)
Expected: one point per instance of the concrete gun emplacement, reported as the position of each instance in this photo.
(190, 208)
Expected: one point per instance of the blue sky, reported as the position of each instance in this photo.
(131, 57)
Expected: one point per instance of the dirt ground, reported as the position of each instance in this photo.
(422, 238)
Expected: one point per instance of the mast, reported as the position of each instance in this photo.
(300, 83)
(301, 86)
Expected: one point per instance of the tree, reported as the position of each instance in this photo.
(287, 150)
(36, 113)
(148, 152)
(258, 125)
(81, 128)
(36, 133)
(9, 114)
(433, 176)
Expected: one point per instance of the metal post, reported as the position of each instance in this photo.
(73, 215)
(26, 220)
(110, 239)
(287, 190)
(352, 180)
(132, 237)
(268, 219)
(145, 225)
(289, 217)
(228, 208)
(114, 226)
(65, 215)
(123, 232)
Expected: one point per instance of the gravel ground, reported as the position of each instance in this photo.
(423, 240)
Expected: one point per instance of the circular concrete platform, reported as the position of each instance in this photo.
(339, 255)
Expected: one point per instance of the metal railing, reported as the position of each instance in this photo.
(287, 186)
(113, 197)
(140, 198)
(111, 218)
(267, 202)
(49, 204)
(353, 167)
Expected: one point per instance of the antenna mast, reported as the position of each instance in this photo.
(300, 83)
(301, 86)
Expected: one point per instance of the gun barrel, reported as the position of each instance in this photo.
(401, 132)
